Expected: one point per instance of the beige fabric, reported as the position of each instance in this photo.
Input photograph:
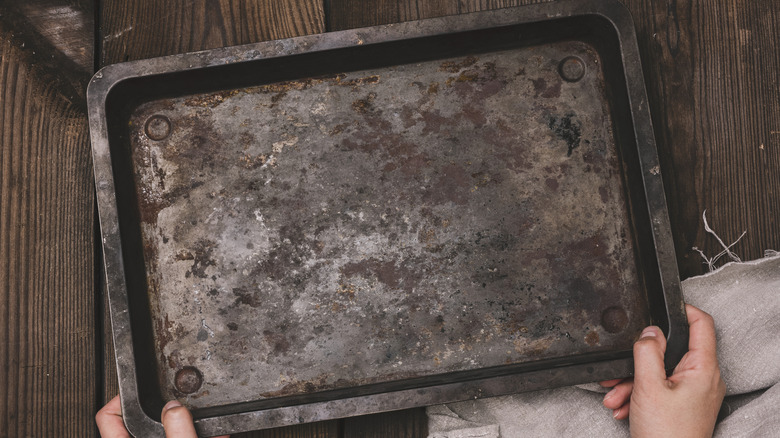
(743, 298)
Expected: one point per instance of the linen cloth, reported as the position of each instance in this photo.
(744, 300)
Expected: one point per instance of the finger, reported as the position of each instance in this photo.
(619, 395)
(177, 421)
(622, 412)
(109, 420)
(649, 357)
(610, 383)
(702, 331)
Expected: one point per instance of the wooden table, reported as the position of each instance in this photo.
(711, 68)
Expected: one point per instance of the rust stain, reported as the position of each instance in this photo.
(534, 347)
(184, 255)
(455, 66)
(285, 86)
(364, 105)
(282, 88)
(210, 100)
(463, 77)
(253, 162)
(592, 338)
(338, 129)
(368, 80)
(347, 289)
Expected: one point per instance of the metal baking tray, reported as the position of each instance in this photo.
(382, 218)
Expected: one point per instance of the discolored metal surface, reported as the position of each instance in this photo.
(415, 220)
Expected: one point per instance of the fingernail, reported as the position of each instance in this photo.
(648, 332)
(616, 412)
(609, 395)
(171, 404)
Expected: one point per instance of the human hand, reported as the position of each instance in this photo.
(176, 420)
(685, 404)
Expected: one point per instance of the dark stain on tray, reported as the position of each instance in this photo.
(568, 129)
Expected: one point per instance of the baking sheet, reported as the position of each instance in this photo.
(381, 218)
(420, 219)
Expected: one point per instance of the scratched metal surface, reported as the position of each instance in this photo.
(376, 225)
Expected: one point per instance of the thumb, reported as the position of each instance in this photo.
(177, 421)
(649, 357)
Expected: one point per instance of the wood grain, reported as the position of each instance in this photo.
(737, 56)
(66, 28)
(324, 429)
(348, 14)
(399, 424)
(47, 318)
(710, 68)
(141, 29)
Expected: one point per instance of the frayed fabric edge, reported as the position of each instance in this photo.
(769, 255)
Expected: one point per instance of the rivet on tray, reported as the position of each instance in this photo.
(157, 127)
(571, 69)
(188, 380)
(614, 319)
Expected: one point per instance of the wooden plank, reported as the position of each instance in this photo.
(399, 424)
(710, 68)
(324, 429)
(66, 27)
(348, 14)
(140, 29)
(737, 94)
(147, 28)
(47, 317)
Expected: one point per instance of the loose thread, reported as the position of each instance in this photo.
(710, 262)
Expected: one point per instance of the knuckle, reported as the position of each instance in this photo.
(177, 413)
(100, 414)
(645, 345)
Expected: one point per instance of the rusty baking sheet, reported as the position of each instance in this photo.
(381, 218)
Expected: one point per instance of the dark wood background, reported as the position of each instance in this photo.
(711, 68)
